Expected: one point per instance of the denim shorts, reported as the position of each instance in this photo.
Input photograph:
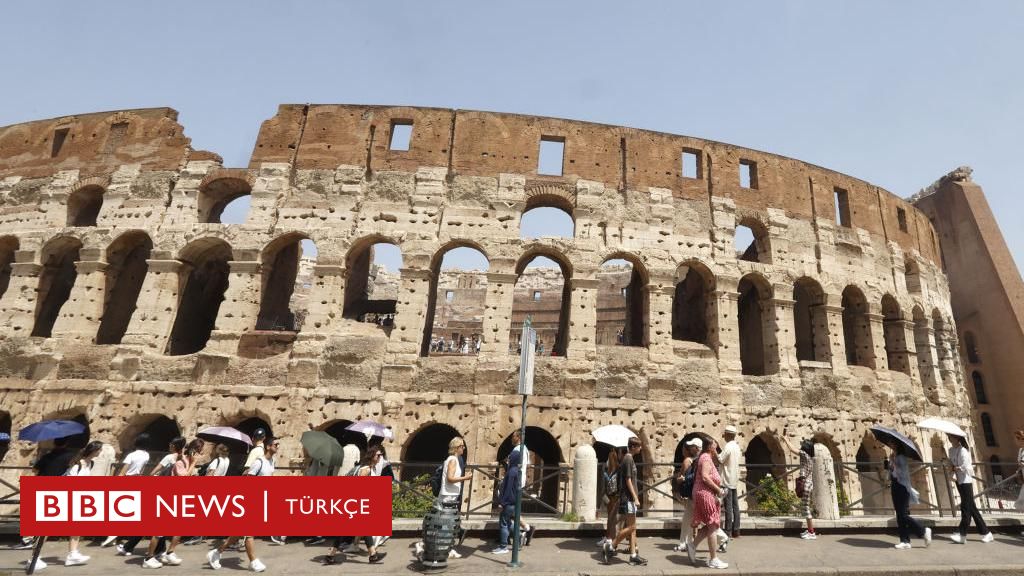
(627, 506)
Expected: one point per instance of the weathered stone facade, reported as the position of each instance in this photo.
(816, 336)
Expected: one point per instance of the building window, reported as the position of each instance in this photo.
(551, 155)
(59, 135)
(842, 201)
(971, 347)
(748, 174)
(401, 135)
(901, 217)
(986, 426)
(979, 388)
(536, 295)
(449, 295)
(691, 163)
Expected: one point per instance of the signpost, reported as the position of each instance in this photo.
(528, 345)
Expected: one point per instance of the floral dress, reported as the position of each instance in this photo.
(707, 509)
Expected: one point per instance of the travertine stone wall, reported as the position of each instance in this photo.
(326, 173)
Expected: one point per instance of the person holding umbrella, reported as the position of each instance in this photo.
(903, 493)
(963, 468)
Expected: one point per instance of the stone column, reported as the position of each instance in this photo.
(410, 313)
(833, 310)
(325, 299)
(780, 334)
(157, 306)
(497, 313)
(909, 352)
(825, 495)
(240, 307)
(583, 317)
(660, 300)
(725, 338)
(584, 483)
(927, 363)
(876, 328)
(79, 316)
(18, 305)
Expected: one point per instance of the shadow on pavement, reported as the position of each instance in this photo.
(865, 542)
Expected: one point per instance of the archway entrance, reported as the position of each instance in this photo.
(542, 477)
(426, 449)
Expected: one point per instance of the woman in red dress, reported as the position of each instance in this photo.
(707, 504)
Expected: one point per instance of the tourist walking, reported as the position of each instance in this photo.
(805, 485)
(366, 468)
(510, 490)
(262, 466)
(133, 465)
(219, 465)
(730, 458)
(707, 509)
(83, 467)
(612, 490)
(526, 530)
(903, 495)
(160, 552)
(684, 481)
(163, 468)
(963, 468)
(629, 501)
(450, 494)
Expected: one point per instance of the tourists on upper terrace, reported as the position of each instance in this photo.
(730, 458)
(963, 468)
(683, 488)
(707, 508)
(903, 495)
(629, 502)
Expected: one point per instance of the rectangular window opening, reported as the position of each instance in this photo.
(748, 174)
(59, 135)
(691, 163)
(842, 198)
(901, 216)
(401, 134)
(552, 151)
(536, 295)
(449, 296)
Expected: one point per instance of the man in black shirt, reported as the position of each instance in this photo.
(629, 500)
(55, 462)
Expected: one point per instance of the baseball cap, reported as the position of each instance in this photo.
(730, 429)
(695, 442)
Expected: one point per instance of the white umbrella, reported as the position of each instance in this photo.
(942, 426)
(217, 433)
(371, 428)
(613, 434)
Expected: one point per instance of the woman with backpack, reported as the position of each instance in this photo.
(611, 495)
(164, 468)
(683, 481)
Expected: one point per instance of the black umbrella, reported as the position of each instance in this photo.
(897, 441)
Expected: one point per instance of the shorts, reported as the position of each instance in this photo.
(627, 506)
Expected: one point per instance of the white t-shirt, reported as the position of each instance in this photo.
(218, 467)
(83, 468)
(135, 461)
(450, 488)
(526, 465)
(262, 467)
(730, 458)
(255, 454)
(961, 458)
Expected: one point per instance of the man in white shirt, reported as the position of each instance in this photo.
(526, 530)
(730, 458)
(263, 465)
(257, 451)
(133, 464)
(963, 466)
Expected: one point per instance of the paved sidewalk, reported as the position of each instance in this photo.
(848, 554)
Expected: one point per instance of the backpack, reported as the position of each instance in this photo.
(611, 483)
(436, 480)
(684, 489)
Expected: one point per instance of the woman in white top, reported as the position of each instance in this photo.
(903, 494)
(219, 465)
(963, 467)
(83, 467)
(452, 478)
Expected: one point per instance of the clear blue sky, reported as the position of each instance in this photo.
(896, 93)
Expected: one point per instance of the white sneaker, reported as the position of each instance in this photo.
(170, 559)
(453, 554)
(717, 564)
(213, 559)
(927, 537)
(122, 551)
(988, 538)
(110, 540)
(419, 550)
(902, 546)
(691, 551)
(39, 564)
(152, 563)
(809, 536)
(257, 566)
(601, 542)
(75, 559)
(956, 537)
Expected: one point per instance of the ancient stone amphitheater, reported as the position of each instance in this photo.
(126, 304)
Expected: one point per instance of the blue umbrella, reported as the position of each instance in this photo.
(894, 438)
(50, 429)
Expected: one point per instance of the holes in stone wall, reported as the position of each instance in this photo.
(842, 207)
(215, 196)
(372, 284)
(912, 275)
(456, 326)
(986, 426)
(857, 329)
(691, 312)
(401, 135)
(286, 276)
(84, 206)
(205, 273)
(551, 155)
(622, 303)
(126, 271)
(542, 294)
(55, 282)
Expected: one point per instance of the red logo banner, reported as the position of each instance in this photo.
(182, 506)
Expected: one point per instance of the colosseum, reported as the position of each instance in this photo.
(126, 304)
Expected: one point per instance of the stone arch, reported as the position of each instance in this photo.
(759, 247)
(764, 455)
(126, 271)
(280, 261)
(337, 430)
(623, 307)
(204, 280)
(895, 335)
(912, 275)
(216, 193)
(857, 328)
(544, 452)
(160, 428)
(549, 310)
(872, 477)
(644, 472)
(84, 205)
(693, 313)
(77, 414)
(5, 428)
(555, 213)
(56, 280)
(426, 448)
(810, 321)
(550, 196)
(456, 322)
(8, 246)
(826, 440)
(677, 455)
(942, 489)
(755, 311)
(238, 452)
(361, 299)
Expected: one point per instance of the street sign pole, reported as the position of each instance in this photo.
(528, 343)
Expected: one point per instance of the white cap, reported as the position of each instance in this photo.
(695, 442)
(730, 429)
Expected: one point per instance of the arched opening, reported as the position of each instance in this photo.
(455, 314)
(160, 429)
(751, 241)
(895, 335)
(126, 270)
(857, 328)
(8, 246)
(622, 302)
(986, 427)
(763, 457)
(810, 321)
(345, 437)
(77, 441)
(542, 477)
(980, 397)
(5, 428)
(287, 266)
(971, 347)
(872, 477)
(84, 206)
(691, 310)
(205, 273)
(547, 218)
(215, 196)
(542, 295)
(943, 491)
(372, 284)
(912, 275)
(425, 449)
(754, 311)
(55, 282)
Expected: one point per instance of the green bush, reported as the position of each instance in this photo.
(569, 517)
(774, 498)
(407, 503)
